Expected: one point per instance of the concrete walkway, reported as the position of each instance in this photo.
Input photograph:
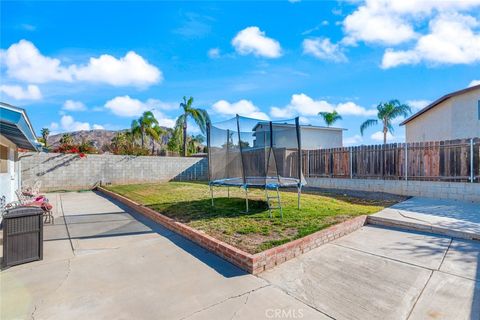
(102, 261)
(449, 217)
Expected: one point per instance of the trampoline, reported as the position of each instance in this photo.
(252, 153)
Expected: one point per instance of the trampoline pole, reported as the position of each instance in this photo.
(211, 194)
(246, 199)
(228, 192)
(299, 188)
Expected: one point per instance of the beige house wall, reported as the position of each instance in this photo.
(454, 118)
(314, 138)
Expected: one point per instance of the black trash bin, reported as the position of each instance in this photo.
(22, 235)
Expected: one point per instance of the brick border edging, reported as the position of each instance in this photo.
(252, 263)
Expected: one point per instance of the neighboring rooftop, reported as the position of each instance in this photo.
(438, 101)
(303, 126)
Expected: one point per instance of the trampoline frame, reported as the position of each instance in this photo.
(243, 181)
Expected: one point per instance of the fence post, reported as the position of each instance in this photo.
(471, 161)
(308, 164)
(351, 162)
(406, 161)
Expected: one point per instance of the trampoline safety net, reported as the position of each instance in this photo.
(255, 153)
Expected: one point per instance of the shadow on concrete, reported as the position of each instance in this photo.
(220, 265)
(469, 254)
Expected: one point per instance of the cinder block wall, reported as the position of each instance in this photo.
(430, 189)
(59, 171)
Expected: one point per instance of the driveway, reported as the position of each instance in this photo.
(102, 261)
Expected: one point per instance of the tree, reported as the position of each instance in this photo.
(174, 139)
(200, 117)
(66, 139)
(387, 111)
(144, 127)
(330, 117)
(160, 133)
(45, 132)
(195, 143)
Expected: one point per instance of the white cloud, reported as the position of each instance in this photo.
(303, 105)
(375, 23)
(252, 40)
(131, 69)
(163, 120)
(31, 92)
(351, 108)
(124, 106)
(356, 139)
(28, 27)
(242, 107)
(54, 126)
(392, 22)
(23, 61)
(451, 40)
(68, 123)
(323, 49)
(71, 105)
(214, 53)
(474, 83)
(452, 36)
(418, 104)
(378, 136)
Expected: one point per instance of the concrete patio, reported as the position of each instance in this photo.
(102, 261)
(454, 218)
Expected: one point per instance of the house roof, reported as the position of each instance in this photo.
(438, 101)
(16, 127)
(308, 126)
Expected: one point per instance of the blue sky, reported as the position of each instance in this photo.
(85, 65)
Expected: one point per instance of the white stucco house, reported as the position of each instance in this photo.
(453, 116)
(312, 137)
(16, 132)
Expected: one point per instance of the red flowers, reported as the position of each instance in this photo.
(70, 149)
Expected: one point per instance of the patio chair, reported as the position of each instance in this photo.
(39, 201)
(34, 190)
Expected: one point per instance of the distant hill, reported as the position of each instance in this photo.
(100, 138)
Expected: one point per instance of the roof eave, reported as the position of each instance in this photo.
(438, 101)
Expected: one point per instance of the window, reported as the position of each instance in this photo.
(3, 159)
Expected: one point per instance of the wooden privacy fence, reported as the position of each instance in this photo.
(451, 160)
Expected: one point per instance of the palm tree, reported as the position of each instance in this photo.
(66, 139)
(195, 143)
(200, 117)
(387, 111)
(330, 117)
(144, 127)
(45, 132)
(160, 133)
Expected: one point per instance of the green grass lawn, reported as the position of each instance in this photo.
(254, 231)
